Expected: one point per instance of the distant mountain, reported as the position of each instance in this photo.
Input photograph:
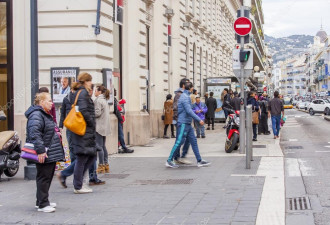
(286, 47)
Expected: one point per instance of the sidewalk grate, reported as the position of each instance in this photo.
(115, 176)
(259, 146)
(293, 147)
(298, 204)
(164, 182)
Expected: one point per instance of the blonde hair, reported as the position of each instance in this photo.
(41, 97)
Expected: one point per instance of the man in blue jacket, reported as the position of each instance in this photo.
(185, 130)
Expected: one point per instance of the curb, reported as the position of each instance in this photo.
(327, 118)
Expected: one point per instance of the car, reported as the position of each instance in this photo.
(301, 105)
(307, 103)
(319, 106)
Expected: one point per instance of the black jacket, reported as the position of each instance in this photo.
(66, 107)
(116, 111)
(85, 145)
(211, 104)
(236, 103)
(40, 131)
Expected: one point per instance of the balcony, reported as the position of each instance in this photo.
(289, 79)
(289, 87)
(303, 79)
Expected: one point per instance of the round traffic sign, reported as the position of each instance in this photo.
(242, 26)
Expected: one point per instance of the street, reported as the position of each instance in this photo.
(305, 141)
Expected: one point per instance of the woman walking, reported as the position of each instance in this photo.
(168, 113)
(41, 131)
(84, 146)
(102, 117)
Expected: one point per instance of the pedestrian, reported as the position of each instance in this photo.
(211, 107)
(200, 110)
(53, 110)
(102, 117)
(275, 109)
(255, 108)
(236, 102)
(168, 116)
(119, 110)
(84, 146)
(225, 98)
(206, 96)
(231, 94)
(180, 159)
(185, 130)
(263, 123)
(42, 133)
(193, 96)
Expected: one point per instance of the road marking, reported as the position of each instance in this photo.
(322, 151)
(292, 168)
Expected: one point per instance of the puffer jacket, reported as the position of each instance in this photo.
(177, 93)
(40, 131)
(185, 112)
(85, 145)
(197, 107)
(66, 107)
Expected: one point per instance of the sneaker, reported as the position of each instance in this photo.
(96, 182)
(47, 209)
(203, 163)
(61, 179)
(254, 139)
(198, 136)
(208, 128)
(171, 164)
(52, 204)
(83, 190)
(173, 136)
(224, 128)
(177, 162)
(203, 136)
(128, 150)
(184, 161)
(166, 137)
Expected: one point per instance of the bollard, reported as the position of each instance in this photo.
(248, 136)
(242, 132)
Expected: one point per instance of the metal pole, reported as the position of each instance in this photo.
(242, 130)
(248, 136)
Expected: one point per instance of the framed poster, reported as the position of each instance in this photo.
(61, 80)
(108, 83)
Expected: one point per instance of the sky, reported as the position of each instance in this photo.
(288, 17)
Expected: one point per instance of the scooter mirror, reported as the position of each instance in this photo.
(2, 116)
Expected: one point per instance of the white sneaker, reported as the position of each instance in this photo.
(52, 204)
(184, 161)
(85, 186)
(83, 190)
(47, 209)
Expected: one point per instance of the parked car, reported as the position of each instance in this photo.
(319, 106)
(301, 105)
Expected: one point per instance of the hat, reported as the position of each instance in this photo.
(123, 101)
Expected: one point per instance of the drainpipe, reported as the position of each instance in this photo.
(98, 14)
(34, 49)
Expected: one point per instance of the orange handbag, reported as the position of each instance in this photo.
(75, 121)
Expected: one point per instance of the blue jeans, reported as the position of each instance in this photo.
(121, 135)
(185, 131)
(276, 124)
(200, 129)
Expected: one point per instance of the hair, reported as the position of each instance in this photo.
(226, 89)
(235, 93)
(188, 85)
(82, 78)
(104, 91)
(194, 91)
(43, 90)
(251, 93)
(211, 94)
(183, 81)
(168, 97)
(276, 94)
(230, 91)
(41, 96)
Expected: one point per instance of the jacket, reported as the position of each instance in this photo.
(226, 100)
(212, 105)
(40, 131)
(102, 116)
(276, 107)
(185, 112)
(66, 107)
(168, 112)
(255, 105)
(53, 113)
(236, 103)
(85, 145)
(177, 93)
(197, 107)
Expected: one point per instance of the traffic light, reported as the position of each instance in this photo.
(244, 56)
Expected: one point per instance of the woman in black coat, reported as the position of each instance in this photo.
(255, 108)
(84, 146)
(41, 131)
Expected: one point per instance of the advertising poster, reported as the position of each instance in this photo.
(108, 83)
(217, 90)
(61, 80)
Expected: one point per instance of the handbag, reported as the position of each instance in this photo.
(75, 121)
(28, 153)
(163, 117)
(255, 118)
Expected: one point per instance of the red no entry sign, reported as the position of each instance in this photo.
(242, 26)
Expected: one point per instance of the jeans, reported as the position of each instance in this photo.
(92, 172)
(45, 173)
(276, 120)
(255, 126)
(200, 129)
(185, 131)
(209, 120)
(82, 163)
(184, 149)
(121, 135)
(103, 154)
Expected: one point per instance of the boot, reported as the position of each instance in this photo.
(106, 168)
(100, 169)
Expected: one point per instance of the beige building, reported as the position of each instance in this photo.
(153, 46)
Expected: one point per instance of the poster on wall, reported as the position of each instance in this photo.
(108, 83)
(119, 12)
(217, 90)
(61, 80)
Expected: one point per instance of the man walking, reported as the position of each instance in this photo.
(199, 109)
(236, 102)
(184, 128)
(275, 109)
(211, 104)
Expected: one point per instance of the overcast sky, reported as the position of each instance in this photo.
(287, 17)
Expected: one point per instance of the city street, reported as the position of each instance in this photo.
(305, 142)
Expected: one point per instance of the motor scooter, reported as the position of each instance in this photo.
(232, 130)
(10, 149)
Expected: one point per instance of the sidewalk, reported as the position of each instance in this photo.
(141, 190)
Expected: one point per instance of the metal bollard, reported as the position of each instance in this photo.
(248, 136)
(242, 131)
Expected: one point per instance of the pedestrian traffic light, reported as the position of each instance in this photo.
(244, 56)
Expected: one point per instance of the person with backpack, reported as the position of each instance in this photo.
(263, 123)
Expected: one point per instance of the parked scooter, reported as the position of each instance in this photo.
(10, 150)
(232, 128)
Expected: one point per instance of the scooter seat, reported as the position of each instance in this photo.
(5, 136)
